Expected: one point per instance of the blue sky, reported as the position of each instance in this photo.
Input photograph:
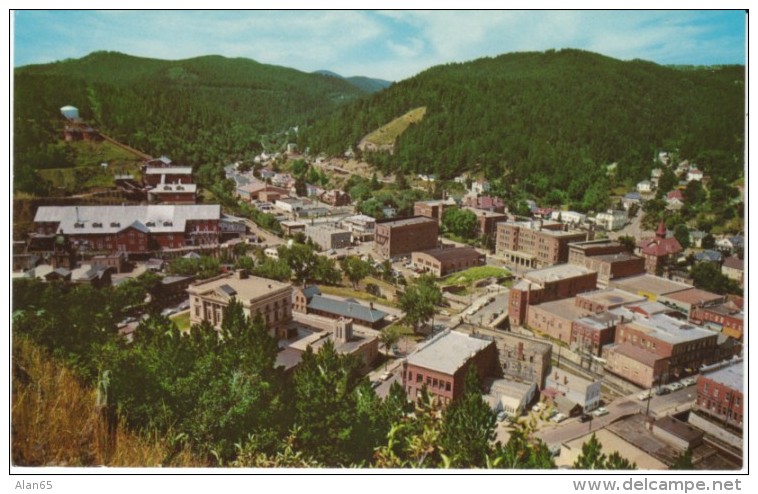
(390, 45)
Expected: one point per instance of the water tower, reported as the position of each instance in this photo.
(70, 112)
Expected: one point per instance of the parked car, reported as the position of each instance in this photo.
(689, 381)
(375, 384)
(585, 417)
(599, 412)
(662, 390)
(558, 418)
(386, 376)
(645, 395)
(675, 386)
(501, 416)
(538, 407)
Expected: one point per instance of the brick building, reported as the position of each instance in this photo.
(132, 229)
(535, 244)
(154, 176)
(606, 299)
(484, 203)
(524, 359)
(336, 198)
(727, 318)
(659, 349)
(659, 251)
(271, 299)
(547, 285)
(720, 394)
(608, 257)
(686, 301)
(487, 221)
(649, 286)
(443, 261)
(441, 364)
(173, 194)
(555, 319)
(400, 237)
(432, 209)
(591, 333)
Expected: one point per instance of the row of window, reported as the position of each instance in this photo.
(431, 382)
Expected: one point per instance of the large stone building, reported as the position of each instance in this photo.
(131, 229)
(591, 333)
(443, 261)
(659, 349)
(535, 244)
(547, 285)
(271, 299)
(442, 362)
(607, 257)
(524, 359)
(328, 237)
(487, 221)
(400, 237)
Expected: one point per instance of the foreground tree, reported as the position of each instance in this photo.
(593, 458)
(419, 301)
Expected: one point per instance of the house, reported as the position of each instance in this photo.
(302, 296)
(336, 198)
(659, 251)
(694, 174)
(734, 268)
(612, 219)
(440, 364)
(480, 186)
(645, 187)
(708, 255)
(571, 217)
(696, 238)
(401, 237)
(632, 198)
(485, 203)
(443, 261)
(389, 212)
(270, 299)
(731, 244)
(97, 277)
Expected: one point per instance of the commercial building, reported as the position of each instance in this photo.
(535, 244)
(154, 176)
(648, 286)
(328, 237)
(555, 319)
(487, 221)
(578, 390)
(720, 394)
(271, 299)
(432, 209)
(729, 318)
(686, 301)
(400, 237)
(360, 226)
(607, 299)
(442, 362)
(131, 229)
(548, 285)
(509, 396)
(590, 334)
(443, 261)
(607, 257)
(659, 349)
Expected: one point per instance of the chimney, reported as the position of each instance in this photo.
(371, 305)
(241, 274)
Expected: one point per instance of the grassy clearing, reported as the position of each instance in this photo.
(474, 274)
(388, 133)
(56, 423)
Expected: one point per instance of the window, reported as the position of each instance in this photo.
(435, 383)
(419, 378)
(410, 375)
(447, 386)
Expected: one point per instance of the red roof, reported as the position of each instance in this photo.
(660, 246)
(675, 194)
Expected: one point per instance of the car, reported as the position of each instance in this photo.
(538, 407)
(558, 418)
(501, 416)
(645, 395)
(600, 411)
(689, 381)
(662, 390)
(555, 450)
(585, 417)
(386, 376)
(675, 386)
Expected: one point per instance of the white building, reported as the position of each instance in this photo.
(574, 388)
(646, 186)
(612, 219)
(568, 217)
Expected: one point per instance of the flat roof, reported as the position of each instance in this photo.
(695, 296)
(245, 289)
(413, 220)
(317, 340)
(731, 376)
(556, 273)
(612, 296)
(678, 428)
(535, 226)
(447, 352)
(636, 353)
(450, 254)
(171, 170)
(565, 308)
(671, 330)
(599, 321)
(510, 388)
(623, 256)
(571, 381)
(650, 284)
(485, 212)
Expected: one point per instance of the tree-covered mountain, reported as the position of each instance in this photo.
(552, 119)
(200, 110)
(367, 84)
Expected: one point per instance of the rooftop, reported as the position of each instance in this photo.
(245, 289)
(670, 330)
(612, 297)
(508, 387)
(317, 340)
(452, 254)
(734, 262)
(647, 283)
(565, 308)
(413, 220)
(679, 428)
(599, 321)
(636, 353)
(615, 257)
(556, 273)
(546, 227)
(562, 379)
(731, 376)
(171, 170)
(113, 219)
(447, 352)
(695, 296)
(346, 308)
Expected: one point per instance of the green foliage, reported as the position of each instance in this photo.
(683, 461)
(274, 269)
(355, 269)
(708, 276)
(629, 243)
(418, 301)
(202, 267)
(460, 222)
(593, 458)
(682, 235)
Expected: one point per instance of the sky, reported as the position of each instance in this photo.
(390, 45)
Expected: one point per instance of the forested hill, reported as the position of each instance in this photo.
(196, 111)
(554, 118)
(366, 84)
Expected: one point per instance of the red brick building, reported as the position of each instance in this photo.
(400, 237)
(720, 394)
(547, 285)
(659, 251)
(591, 333)
(729, 318)
(441, 364)
(336, 198)
(443, 261)
(535, 244)
(432, 209)
(487, 221)
(132, 229)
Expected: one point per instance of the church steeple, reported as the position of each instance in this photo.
(660, 233)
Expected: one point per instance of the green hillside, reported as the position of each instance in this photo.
(551, 119)
(202, 110)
